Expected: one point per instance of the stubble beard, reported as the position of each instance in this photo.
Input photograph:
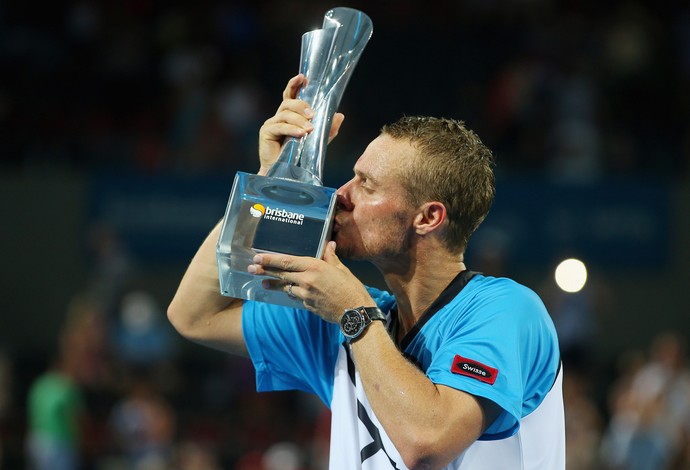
(386, 252)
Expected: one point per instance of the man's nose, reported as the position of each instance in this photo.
(343, 201)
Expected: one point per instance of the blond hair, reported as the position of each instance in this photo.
(453, 167)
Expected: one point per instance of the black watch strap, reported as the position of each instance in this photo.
(374, 313)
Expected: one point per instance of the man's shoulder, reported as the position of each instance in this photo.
(504, 299)
(499, 287)
(486, 280)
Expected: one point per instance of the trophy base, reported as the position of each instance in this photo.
(242, 285)
(275, 215)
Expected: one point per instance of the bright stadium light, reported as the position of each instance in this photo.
(571, 275)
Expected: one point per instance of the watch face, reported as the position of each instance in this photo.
(352, 323)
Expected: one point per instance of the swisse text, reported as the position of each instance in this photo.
(474, 370)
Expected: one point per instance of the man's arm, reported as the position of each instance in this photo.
(429, 424)
(198, 311)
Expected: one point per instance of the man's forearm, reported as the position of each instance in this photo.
(198, 310)
(429, 424)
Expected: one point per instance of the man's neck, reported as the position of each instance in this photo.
(416, 289)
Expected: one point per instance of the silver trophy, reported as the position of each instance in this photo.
(289, 210)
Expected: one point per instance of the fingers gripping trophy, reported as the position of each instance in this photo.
(289, 210)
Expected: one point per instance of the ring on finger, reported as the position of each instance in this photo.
(289, 291)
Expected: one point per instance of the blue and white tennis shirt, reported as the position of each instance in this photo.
(490, 337)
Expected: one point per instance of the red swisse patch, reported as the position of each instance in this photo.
(476, 370)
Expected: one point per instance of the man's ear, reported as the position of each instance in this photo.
(430, 217)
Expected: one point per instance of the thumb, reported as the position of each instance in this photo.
(338, 119)
(329, 255)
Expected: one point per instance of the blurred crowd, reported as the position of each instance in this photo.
(117, 397)
(119, 392)
(571, 91)
(642, 423)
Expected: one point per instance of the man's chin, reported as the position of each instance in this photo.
(342, 248)
(348, 253)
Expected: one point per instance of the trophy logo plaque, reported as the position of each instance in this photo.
(289, 210)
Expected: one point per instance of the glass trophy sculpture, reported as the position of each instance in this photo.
(289, 210)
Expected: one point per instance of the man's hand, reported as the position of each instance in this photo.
(326, 287)
(293, 119)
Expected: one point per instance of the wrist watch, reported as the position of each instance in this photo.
(354, 321)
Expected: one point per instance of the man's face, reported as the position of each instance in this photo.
(374, 218)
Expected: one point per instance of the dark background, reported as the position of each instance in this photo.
(122, 125)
